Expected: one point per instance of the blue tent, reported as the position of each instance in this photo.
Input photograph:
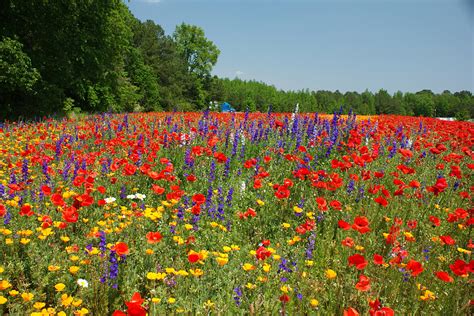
(226, 107)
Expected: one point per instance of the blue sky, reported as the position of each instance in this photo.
(406, 45)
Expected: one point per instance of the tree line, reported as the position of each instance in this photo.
(258, 96)
(64, 56)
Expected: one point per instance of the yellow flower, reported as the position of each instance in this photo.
(2, 269)
(171, 300)
(13, 293)
(77, 302)
(149, 251)
(209, 304)
(59, 287)
(66, 300)
(222, 261)
(285, 225)
(53, 268)
(155, 300)
(235, 247)
(182, 273)
(39, 305)
(309, 263)
(250, 286)
(227, 249)
(260, 202)
(27, 296)
(25, 241)
(266, 267)
(248, 267)
(74, 269)
(462, 250)
(4, 284)
(83, 311)
(3, 300)
(330, 274)
(286, 288)
(314, 302)
(297, 209)
(428, 295)
(196, 272)
(65, 238)
(155, 276)
(61, 313)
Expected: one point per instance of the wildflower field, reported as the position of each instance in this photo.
(246, 213)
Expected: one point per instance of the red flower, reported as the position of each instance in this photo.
(358, 261)
(447, 240)
(415, 267)
(435, 220)
(459, 267)
(129, 169)
(193, 257)
(3, 210)
(361, 224)
(336, 205)
(284, 298)
(378, 259)
(444, 276)
(343, 224)
(153, 237)
(57, 199)
(363, 284)
(134, 306)
(157, 189)
(351, 312)
(381, 200)
(70, 214)
(26, 211)
(348, 242)
(220, 157)
(199, 198)
(121, 248)
(322, 204)
(262, 253)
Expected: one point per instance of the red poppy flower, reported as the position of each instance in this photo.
(134, 306)
(435, 220)
(191, 178)
(262, 253)
(336, 205)
(322, 203)
(348, 242)
(351, 312)
(70, 214)
(381, 200)
(57, 199)
(199, 198)
(415, 267)
(284, 298)
(459, 267)
(153, 237)
(121, 248)
(364, 283)
(378, 259)
(157, 189)
(358, 261)
(26, 210)
(3, 210)
(343, 224)
(444, 276)
(361, 224)
(447, 240)
(129, 169)
(193, 257)
(220, 157)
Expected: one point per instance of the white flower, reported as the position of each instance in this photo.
(131, 196)
(140, 196)
(243, 186)
(82, 283)
(110, 200)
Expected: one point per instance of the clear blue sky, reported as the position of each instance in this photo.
(352, 45)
